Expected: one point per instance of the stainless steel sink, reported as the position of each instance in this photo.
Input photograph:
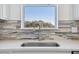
(40, 44)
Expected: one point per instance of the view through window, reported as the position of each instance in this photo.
(39, 15)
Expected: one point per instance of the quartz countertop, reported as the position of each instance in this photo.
(15, 45)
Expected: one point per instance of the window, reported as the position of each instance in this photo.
(39, 15)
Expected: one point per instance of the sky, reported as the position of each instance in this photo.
(44, 13)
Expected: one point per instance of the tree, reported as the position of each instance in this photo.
(37, 24)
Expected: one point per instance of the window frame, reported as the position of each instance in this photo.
(56, 15)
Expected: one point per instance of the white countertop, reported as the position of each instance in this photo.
(15, 45)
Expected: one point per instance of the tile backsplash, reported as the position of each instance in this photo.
(11, 29)
(8, 29)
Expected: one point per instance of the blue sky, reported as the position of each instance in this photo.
(44, 13)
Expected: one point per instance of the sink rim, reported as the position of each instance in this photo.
(40, 44)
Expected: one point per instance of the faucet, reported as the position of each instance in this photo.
(39, 29)
(39, 32)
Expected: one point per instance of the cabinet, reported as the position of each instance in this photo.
(10, 12)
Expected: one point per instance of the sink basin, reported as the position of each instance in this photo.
(40, 44)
